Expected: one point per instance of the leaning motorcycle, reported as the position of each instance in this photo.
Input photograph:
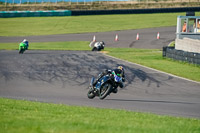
(105, 85)
(98, 46)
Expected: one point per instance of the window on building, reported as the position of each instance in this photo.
(198, 25)
(184, 25)
(192, 25)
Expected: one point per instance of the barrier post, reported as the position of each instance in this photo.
(164, 51)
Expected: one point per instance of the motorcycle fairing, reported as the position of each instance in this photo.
(102, 81)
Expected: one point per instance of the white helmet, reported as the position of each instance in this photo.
(24, 41)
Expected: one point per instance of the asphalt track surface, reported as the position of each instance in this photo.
(126, 39)
(64, 76)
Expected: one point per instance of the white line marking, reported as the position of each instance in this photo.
(153, 69)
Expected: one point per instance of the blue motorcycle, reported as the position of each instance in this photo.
(105, 85)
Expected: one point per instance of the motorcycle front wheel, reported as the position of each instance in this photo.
(21, 51)
(94, 49)
(105, 90)
(90, 93)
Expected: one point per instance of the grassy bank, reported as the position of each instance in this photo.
(81, 24)
(25, 116)
(146, 57)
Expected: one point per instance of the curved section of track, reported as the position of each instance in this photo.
(64, 76)
(127, 39)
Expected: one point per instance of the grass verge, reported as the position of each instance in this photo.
(153, 58)
(30, 26)
(25, 116)
(74, 45)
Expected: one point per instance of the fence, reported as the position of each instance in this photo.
(7, 14)
(180, 55)
(135, 11)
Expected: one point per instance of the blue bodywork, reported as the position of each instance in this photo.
(102, 81)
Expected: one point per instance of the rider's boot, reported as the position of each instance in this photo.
(115, 90)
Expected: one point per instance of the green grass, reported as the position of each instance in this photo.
(153, 58)
(172, 44)
(24, 116)
(81, 24)
(74, 45)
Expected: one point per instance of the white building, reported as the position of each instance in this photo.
(188, 34)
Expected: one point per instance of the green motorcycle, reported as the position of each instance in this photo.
(22, 48)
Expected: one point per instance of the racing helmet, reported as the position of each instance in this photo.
(119, 71)
(24, 40)
(120, 67)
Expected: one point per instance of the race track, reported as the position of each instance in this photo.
(127, 38)
(64, 76)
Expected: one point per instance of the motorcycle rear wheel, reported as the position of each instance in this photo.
(94, 49)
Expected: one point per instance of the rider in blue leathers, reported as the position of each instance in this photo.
(119, 72)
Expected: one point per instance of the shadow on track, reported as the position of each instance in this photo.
(74, 68)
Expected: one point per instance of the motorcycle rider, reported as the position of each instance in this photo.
(24, 44)
(119, 72)
(98, 45)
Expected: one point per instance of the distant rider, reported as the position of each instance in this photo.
(100, 45)
(97, 45)
(24, 44)
(119, 72)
